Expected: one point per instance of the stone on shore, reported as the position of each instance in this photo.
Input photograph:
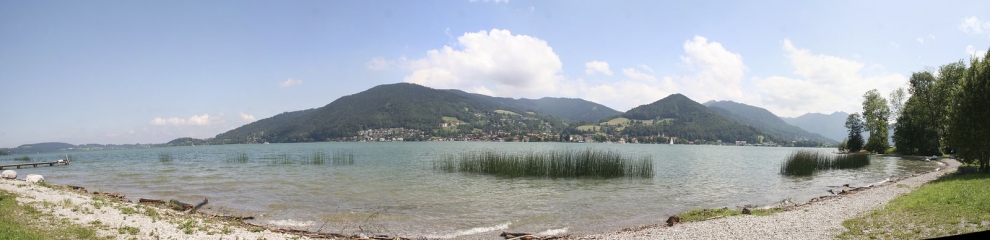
(9, 174)
(673, 220)
(34, 178)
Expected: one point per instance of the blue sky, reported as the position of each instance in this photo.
(148, 72)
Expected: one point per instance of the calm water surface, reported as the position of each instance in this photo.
(392, 188)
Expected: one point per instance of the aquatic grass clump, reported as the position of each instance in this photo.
(238, 158)
(553, 164)
(165, 157)
(23, 159)
(343, 158)
(806, 162)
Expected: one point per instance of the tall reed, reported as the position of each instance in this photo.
(23, 159)
(552, 164)
(806, 162)
(238, 158)
(165, 157)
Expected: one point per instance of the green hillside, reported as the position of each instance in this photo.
(677, 115)
(764, 120)
(400, 105)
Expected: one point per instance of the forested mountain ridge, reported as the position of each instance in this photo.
(679, 116)
(400, 105)
(570, 109)
(764, 120)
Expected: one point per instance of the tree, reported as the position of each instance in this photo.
(912, 132)
(896, 102)
(969, 113)
(855, 140)
(875, 116)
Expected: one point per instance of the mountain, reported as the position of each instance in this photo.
(570, 109)
(400, 105)
(679, 116)
(764, 120)
(832, 126)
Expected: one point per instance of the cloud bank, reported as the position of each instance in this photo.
(498, 63)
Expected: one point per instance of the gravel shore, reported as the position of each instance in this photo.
(116, 219)
(815, 220)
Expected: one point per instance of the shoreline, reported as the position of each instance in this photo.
(819, 218)
(169, 223)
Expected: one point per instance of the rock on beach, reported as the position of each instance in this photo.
(9, 174)
(34, 178)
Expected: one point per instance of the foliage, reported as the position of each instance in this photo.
(955, 204)
(855, 125)
(805, 163)
(554, 164)
(896, 101)
(913, 134)
(875, 116)
(969, 115)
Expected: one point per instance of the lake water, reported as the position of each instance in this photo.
(391, 188)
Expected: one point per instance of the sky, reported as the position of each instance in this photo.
(126, 72)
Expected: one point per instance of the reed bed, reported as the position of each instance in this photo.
(165, 157)
(237, 158)
(806, 163)
(552, 164)
(316, 158)
(23, 159)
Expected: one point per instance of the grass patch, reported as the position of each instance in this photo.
(128, 230)
(954, 204)
(807, 162)
(506, 112)
(553, 164)
(21, 221)
(255, 229)
(702, 214)
(165, 157)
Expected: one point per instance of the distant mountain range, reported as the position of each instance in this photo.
(416, 112)
(765, 120)
(832, 126)
(679, 116)
(411, 106)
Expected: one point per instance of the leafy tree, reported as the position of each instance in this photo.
(855, 125)
(912, 132)
(875, 116)
(896, 102)
(969, 117)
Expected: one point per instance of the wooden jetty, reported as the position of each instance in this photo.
(35, 164)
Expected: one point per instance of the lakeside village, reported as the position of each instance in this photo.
(403, 134)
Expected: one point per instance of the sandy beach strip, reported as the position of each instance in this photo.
(110, 217)
(815, 220)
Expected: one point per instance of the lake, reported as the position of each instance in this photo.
(391, 187)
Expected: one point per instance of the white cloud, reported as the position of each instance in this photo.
(718, 73)
(502, 63)
(647, 68)
(290, 82)
(973, 25)
(596, 66)
(895, 45)
(195, 120)
(825, 84)
(247, 117)
(921, 40)
(637, 75)
(380, 64)
(973, 52)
